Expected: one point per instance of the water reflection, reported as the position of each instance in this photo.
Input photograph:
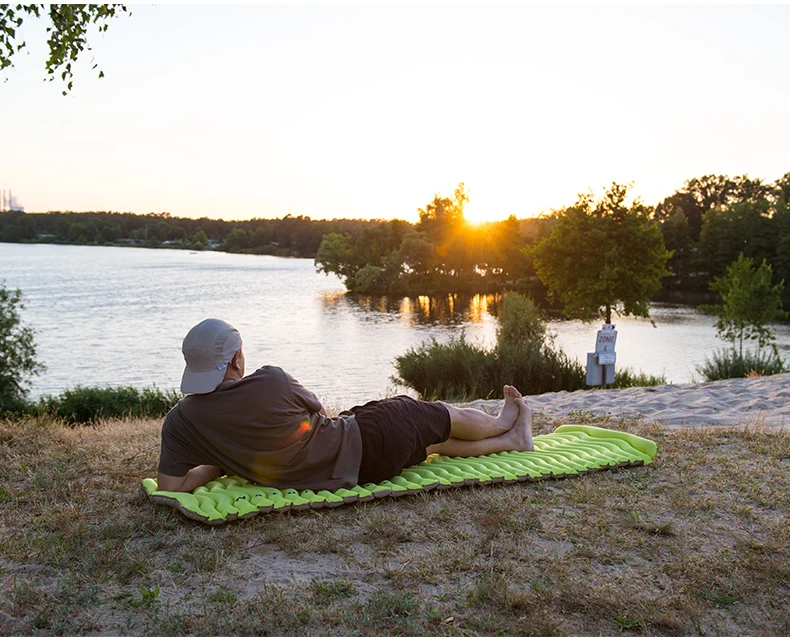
(422, 310)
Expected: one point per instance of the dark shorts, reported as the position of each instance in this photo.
(395, 433)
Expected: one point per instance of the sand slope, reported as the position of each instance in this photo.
(762, 401)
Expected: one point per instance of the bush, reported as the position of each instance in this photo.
(627, 378)
(729, 364)
(455, 370)
(535, 368)
(86, 405)
(519, 321)
(17, 353)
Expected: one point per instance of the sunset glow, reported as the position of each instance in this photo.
(368, 111)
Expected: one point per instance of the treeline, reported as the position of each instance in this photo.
(442, 252)
(289, 236)
(706, 224)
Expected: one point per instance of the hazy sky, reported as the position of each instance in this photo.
(367, 111)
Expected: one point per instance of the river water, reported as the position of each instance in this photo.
(116, 316)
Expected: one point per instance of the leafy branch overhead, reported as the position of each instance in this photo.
(67, 33)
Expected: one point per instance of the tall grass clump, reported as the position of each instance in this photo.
(88, 404)
(730, 364)
(523, 357)
(627, 378)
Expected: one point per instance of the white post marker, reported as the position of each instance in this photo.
(600, 364)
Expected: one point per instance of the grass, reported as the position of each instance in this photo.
(728, 364)
(85, 405)
(696, 543)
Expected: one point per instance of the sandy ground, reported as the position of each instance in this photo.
(764, 401)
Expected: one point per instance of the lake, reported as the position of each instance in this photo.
(116, 316)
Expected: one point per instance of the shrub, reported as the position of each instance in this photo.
(85, 405)
(627, 378)
(17, 353)
(729, 364)
(454, 370)
(534, 368)
(519, 321)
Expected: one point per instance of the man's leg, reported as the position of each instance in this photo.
(517, 438)
(472, 425)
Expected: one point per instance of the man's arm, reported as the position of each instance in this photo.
(196, 477)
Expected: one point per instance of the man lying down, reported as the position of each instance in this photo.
(268, 428)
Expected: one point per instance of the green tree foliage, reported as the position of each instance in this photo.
(702, 194)
(683, 263)
(744, 227)
(781, 189)
(17, 352)
(781, 219)
(200, 240)
(751, 302)
(603, 257)
(67, 33)
(334, 256)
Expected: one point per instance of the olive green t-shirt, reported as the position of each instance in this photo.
(266, 428)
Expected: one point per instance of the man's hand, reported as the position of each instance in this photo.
(196, 477)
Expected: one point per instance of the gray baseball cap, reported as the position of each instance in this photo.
(208, 348)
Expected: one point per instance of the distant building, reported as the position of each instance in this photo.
(9, 203)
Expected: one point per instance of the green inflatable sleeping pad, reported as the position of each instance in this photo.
(568, 451)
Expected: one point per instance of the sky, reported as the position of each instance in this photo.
(369, 111)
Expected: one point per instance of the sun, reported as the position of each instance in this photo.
(476, 214)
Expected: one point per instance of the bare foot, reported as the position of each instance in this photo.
(521, 433)
(510, 410)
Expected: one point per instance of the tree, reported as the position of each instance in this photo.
(751, 302)
(677, 238)
(746, 227)
(781, 189)
(702, 194)
(67, 33)
(334, 256)
(443, 217)
(17, 351)
(603, 257)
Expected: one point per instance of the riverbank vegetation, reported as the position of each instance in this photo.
(524, 356)
(87, 405)
(697, 543)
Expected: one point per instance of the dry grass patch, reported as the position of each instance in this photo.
(696, 543)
